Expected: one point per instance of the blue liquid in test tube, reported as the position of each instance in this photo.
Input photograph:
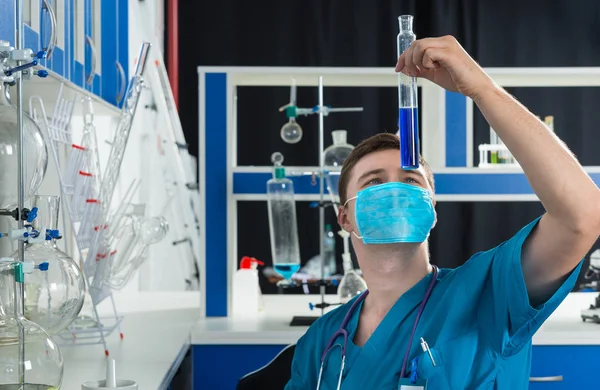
(408, 121)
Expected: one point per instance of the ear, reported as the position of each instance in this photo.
(344, 220)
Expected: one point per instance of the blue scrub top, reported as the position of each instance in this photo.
(478, 324)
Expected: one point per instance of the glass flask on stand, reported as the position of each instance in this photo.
(54, 298)
(36, 154)
(336, 154)
(352, 284)
(283, 224)
(25, 347)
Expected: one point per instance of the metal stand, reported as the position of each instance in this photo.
(323, 111)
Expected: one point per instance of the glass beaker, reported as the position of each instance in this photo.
(54, 298)
(35, 153)
(336, 154)
(41, 363)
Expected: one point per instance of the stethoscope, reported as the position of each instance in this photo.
(344, 333)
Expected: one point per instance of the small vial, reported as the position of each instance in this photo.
(408, 121)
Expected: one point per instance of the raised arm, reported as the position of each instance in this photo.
(571, 223)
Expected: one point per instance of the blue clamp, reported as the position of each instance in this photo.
(52, 234)
(43, 266)
(335, 282)
(311, 306)
(20, 68)
(32, 214)
(42, 73)
(40, 54)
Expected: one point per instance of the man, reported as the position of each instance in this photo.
(468, 328)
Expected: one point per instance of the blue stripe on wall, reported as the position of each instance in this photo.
(456, 130)
(445, 183)
(109, 57)
(216, 193)
(7, 21)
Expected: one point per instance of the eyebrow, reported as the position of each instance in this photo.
(381, 170)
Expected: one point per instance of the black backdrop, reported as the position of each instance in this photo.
(509, 33)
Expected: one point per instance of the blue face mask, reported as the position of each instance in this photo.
(393, 212)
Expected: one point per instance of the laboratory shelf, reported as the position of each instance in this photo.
(452, 184)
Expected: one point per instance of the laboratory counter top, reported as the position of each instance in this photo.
(272, 325)
(156, 328)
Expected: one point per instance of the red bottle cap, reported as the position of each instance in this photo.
(250, 263)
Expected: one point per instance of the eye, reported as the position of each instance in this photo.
(374, 181)
(411, 180)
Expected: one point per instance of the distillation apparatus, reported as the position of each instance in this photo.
(329, 159)
(31, 359)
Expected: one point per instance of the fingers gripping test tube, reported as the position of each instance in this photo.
(408, 121)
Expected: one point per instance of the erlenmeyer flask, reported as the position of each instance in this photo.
(352, 283)
(336, 154)
(54, 298)
(35, 152)
(42, 363)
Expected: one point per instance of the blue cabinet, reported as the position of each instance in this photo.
(115, 50)
(90, 40)
(574, 363)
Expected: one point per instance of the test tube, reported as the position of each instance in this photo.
(493, 141)
(549, 121)
(408, 121)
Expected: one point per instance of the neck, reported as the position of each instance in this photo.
(390, 271)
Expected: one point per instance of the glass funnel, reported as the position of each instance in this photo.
(40, 360)
(36, 154)
(53, 298)
(336, 154)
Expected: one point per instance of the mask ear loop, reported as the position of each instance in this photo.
(345, 203)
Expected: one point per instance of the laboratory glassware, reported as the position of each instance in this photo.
(329, 252)
(54, 298)
(336, 154)
(282, 221)
(291, 132)
(35, 153)
(351, 284)
(42, 362)
(408, 121)
(153, 230)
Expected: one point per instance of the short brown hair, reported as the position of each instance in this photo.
(376, 143)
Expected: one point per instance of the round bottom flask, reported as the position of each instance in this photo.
(42, 363)
(53, 298)
(40, 360)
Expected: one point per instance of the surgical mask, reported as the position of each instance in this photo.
(393, 213)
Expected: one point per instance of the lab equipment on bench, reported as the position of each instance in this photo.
(54, 298)
(593, 274)
(292, 111)
(408, 121)
(111, 381)
(336, 154)
(247, 296)
(35, 152)
(29, 357)
(352, 284)
(283, 225)
(344, 334)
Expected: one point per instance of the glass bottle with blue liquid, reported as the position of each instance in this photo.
(283, 226)
(408, 121)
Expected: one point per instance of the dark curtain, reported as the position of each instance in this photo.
(510, 33)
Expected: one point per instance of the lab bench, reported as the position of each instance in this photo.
(565, 350)
(156, 328)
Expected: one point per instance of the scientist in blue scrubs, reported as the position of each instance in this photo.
(419, 327)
